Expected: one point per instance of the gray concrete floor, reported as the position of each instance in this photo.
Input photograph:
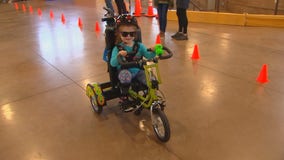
(216, 109)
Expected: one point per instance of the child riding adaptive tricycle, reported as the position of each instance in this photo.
(134, 73)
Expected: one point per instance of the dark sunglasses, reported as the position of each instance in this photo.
(131, 34)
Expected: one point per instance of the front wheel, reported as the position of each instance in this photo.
(161, 125)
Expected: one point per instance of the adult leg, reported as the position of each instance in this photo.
(182, 25)
(117, 2)
(159, 10)
(162, 12)
(179, 15)
(164, 19)
(121, 6)
(109, 4)
(184, 21)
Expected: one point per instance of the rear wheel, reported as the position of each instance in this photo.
(161, 125)
(94, 101)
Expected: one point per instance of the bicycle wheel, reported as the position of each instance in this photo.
(94, 100)
(161, 125)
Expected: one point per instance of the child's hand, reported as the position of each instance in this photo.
(123, 53)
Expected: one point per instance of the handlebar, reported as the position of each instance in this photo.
(140, 62)
(109, 16)
(169, 54)
(109, 12)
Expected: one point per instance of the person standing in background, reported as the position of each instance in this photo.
(182, 6)
(162, 8)
(121, 7)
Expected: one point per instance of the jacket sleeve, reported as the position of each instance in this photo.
(113, 60)
(144, 52)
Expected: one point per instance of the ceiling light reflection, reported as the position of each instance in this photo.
(225, 42)
(7, 112)
(58, 43)
(208, 88)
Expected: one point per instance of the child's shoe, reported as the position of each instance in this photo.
(126, 104)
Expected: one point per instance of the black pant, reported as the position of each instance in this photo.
(121, 7)
(182, 20)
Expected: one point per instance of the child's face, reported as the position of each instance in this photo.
(127, 34)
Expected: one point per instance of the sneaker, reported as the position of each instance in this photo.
(176, 34)
(128, 108)
(181, 37)
(126, 105)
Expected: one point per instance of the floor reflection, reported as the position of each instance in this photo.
(7, 112)
(59, 43)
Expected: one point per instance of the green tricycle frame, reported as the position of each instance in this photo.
(149, 97)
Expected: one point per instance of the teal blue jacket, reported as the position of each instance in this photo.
(142, 52)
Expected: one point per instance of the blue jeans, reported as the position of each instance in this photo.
(162, 13)
(121, 7)
(182, 20)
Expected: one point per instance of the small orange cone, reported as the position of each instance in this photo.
(80, 23)
(97, 28)
(138, 8)
(63, 20)
(51, 14)
(195, 54)
(39, 12)
(31, 9)
(158, 39)
(24, 8)
(150, 12)
(16, 6)
(262, 77)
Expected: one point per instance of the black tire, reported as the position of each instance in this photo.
(94, 103)
(161, 125)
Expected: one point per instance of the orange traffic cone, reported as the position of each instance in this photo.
(16, 6)
(51, 14)
(24, 8)
(138, 8)
(63, 20)
(195, 54)
(97, 27)
(80, 23)
(262, 77)
(39, 12)
(158, 39)
(31, 9)
(150, 12)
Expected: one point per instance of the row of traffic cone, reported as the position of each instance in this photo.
(51, 15)
(24, 8)
(138, 8)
